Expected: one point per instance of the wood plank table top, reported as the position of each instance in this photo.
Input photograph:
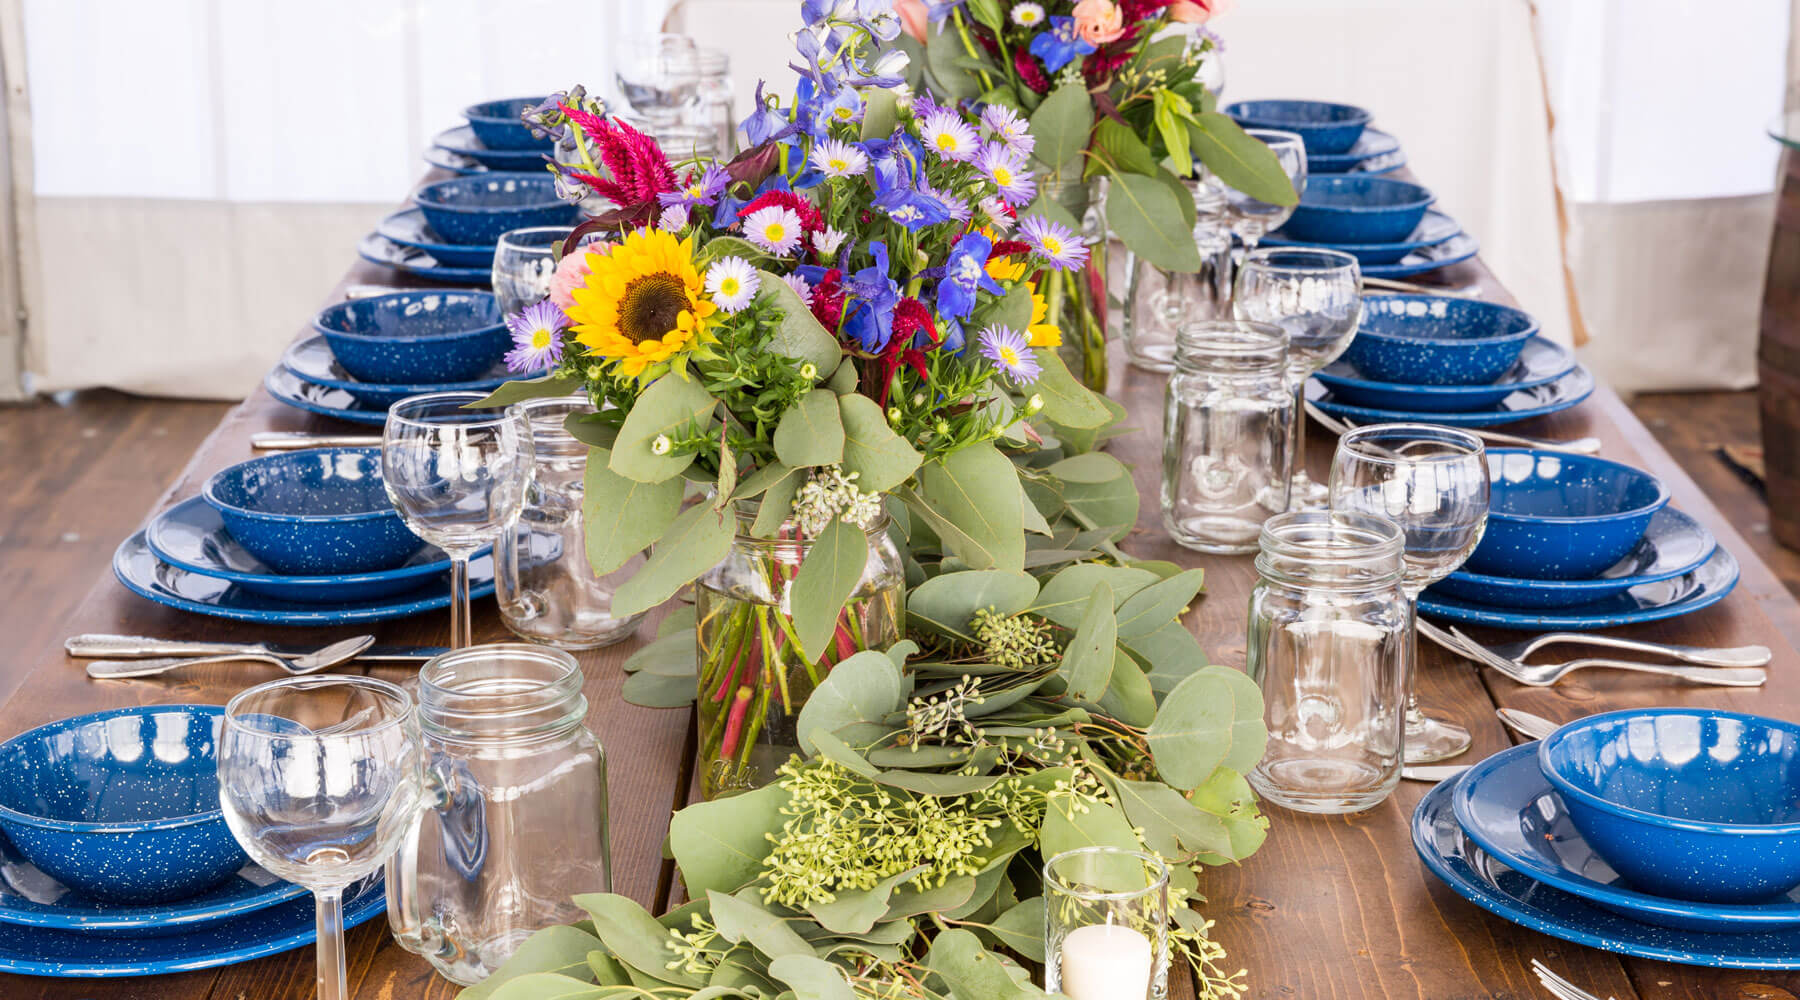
(1330, 907)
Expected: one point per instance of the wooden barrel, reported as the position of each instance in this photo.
(1778, 361)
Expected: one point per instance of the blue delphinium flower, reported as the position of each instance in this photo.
(766, 122)
(870, 317)
(1058, 45)
(965, 274)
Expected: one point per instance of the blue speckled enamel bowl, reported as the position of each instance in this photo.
(480, 208)
(410, 338)
(497, 124)
(1688, 803)
(1557, 516)
(315, 512)
(1355, 208)
(1437, 340)
(1324, 127)
(121, 805)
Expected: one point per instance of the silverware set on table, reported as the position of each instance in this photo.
(115, 657)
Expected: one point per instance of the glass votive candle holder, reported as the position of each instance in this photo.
(1106, 925)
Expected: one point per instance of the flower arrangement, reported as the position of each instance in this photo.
(1112, 90)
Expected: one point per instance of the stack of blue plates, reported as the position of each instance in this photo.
(1375, 152)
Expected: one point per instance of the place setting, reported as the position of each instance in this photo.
(1338, 137)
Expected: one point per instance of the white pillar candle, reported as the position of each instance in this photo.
(1106, 962)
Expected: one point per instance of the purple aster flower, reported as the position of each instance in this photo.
(699, 190)
(1011, 354)
(801, 288)
(1006, 168)
(537, 337)
(1010, 127)
(946, 134)
(1054, 242)
(1059, 44)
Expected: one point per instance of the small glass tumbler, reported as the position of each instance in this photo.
(1225, 435)
(1106, 925)
(1158, 303)
(515, 818)
(545, 587)
(1329, 634)
(524, 261)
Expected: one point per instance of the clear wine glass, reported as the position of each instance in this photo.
(658, 74)
(1433, 482)
(1316, 296)
(458, 476)
(319, 779)
(524, 260)
(1251, 219)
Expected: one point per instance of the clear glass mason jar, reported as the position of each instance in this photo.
(515, 820)
(1157, 302)
(713, 107)
(546, 590)
(1225, 435)
(753, 678)
(1328, 643)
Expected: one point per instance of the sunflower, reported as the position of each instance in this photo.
(1042, 334)
(642, 307)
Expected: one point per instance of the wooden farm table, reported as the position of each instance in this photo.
(1335, 907)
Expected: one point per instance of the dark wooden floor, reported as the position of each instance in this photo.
(76, 477)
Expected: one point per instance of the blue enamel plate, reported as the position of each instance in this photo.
(378, 249)
(31, 897)
(1475, 875)
(1435, 228)
(1522, 404)
(1372, 144)
(1506, 805)
(461, 139)
(42, 951)
(1674, 545)
(311, 359)
(456, 163)
(191, 536)
(140, 571)
(295, 391)
(1649, 602)
(1540, 363)
(1454, 250)
(408, 228)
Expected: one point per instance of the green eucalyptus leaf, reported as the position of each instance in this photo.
(520, 390)
(1171, 118)
(1184, 198)
(881, 459)
(809, 432)
(1129, 696)
(1087, 662)
(621, 517)
(1207, 719)
(1158, 604)
(971, 970)
(1065, 596)
(671, 407)
(720, 845)
(1169, 654)
(910, 902)
(1120, 145)
(739, 920)
(856, 911)
(946, 602)
(988, 13)
(634, 936)
(1061, 125)
(734, 246)
(1249, 734)
(1099, 486)
(938, 785)
(652, 690)
(590, 430)
(777, 504)
(557, 950)
(542, 986)
(696, 542)
(834, 749)
(680, 620)
(865, 687)
(828, 576)
(671, 656)
(1012, 310)
(1066, 401)
(811, 978)
(965, 488)
(757, 483)
(799, 336)
(1228, 796)
(1147, 217)
(1239, 159)
(1172, 825)
(1021, 928)
(1047, 206)
(880, 113)
(944, 53)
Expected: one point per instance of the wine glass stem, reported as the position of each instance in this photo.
(329, 925)
(1297, 437)
(461, 623)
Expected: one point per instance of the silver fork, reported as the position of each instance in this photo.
(1579, 446)
(1546, 674)
(306, 663)
(1734, 656)
(1558, 986)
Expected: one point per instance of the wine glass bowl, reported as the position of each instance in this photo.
(524, 261)
(1252, 218)
(658, 74)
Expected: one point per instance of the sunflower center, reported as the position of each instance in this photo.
(651, 306)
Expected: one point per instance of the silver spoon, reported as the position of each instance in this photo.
(305, 663)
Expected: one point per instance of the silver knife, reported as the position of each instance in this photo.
(99, 645)
(291, 440)
(1432, 772)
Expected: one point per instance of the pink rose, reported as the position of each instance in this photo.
(914, 19)
(571, 273)
(1098, 21)
(1198, 11)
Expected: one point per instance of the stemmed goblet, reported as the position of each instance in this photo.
(1316, 296)
(458, 476)
(1252, 219)
(319, 779)
(1433, 482)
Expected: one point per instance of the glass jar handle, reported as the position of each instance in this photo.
(406, 919)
